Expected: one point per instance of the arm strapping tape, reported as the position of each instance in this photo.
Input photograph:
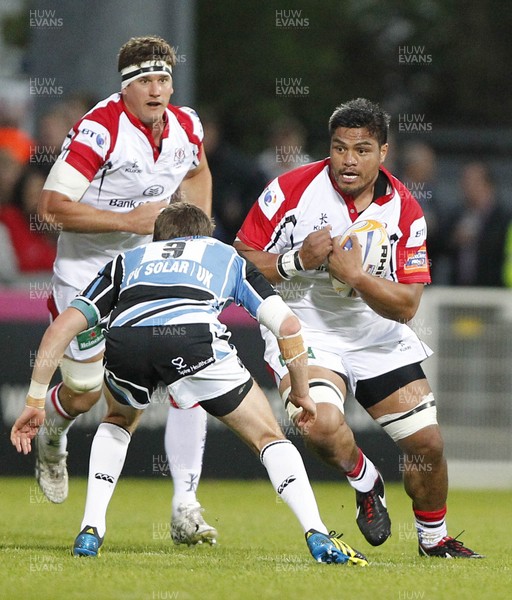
(291, 347)
(65, 179)
(289, 264)
(37, 392)
(272, 312)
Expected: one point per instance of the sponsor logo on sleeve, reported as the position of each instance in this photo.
(90, 338)
(416, 260)
(271, 199)
(418, 233)
(93, 135)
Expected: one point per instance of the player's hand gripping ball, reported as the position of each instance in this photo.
(376, 248)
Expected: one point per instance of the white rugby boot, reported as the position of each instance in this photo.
(189, 527)
(51, 470)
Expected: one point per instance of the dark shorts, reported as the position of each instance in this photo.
(187, 358)
(371, 391)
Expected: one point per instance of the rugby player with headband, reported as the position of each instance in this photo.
(120, 166)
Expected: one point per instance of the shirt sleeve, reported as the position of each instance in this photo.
(251, 287)
(412, 264)
(87, 147)
(100, 297)
(264, 226)
(191, 124)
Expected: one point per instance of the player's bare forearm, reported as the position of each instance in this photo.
(197, 186)
(54, 343)
(60, 211)
(395, 301)
(313, 253)
(392, 300)
(266, 262)
(299, 393)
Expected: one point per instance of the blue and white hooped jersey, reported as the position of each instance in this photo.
(183, 280)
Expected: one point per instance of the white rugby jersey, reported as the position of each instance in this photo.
(306, 200)
(116, 152)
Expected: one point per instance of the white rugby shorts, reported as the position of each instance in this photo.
(326, 349)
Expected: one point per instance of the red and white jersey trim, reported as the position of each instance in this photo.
(116, 152)
(306, 199)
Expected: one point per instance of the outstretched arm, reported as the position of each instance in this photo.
(295, 355)
(55, 341)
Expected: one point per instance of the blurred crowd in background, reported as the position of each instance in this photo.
(469, 243)
(439, 68)
(469, 240)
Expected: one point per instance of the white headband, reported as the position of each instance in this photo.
(156, 67)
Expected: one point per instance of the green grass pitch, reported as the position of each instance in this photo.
(261, 553)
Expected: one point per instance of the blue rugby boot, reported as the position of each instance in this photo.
(328, 548)
(87, 542)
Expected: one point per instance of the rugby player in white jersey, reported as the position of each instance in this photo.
(118, 168)
(177, 286)
(360, 343)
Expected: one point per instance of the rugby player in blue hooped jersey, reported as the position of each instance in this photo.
(120, 164)
(154, 297)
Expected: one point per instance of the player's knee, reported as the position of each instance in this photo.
(416, 427)
(128, 421)
(80, 377)
(426, 442)
(330, 402)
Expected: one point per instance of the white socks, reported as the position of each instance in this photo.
(363, 477)
(56, 424)
(185, 436)
(290, 480)
(431, 526)
(108, 452)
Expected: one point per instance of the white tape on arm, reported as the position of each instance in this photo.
(36, 394)
(288, 265)
(272, 312)
(65, 179)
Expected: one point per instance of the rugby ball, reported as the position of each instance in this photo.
(376, 247)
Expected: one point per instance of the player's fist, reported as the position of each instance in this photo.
(346, 264)
(141, 220)
(316, 248)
